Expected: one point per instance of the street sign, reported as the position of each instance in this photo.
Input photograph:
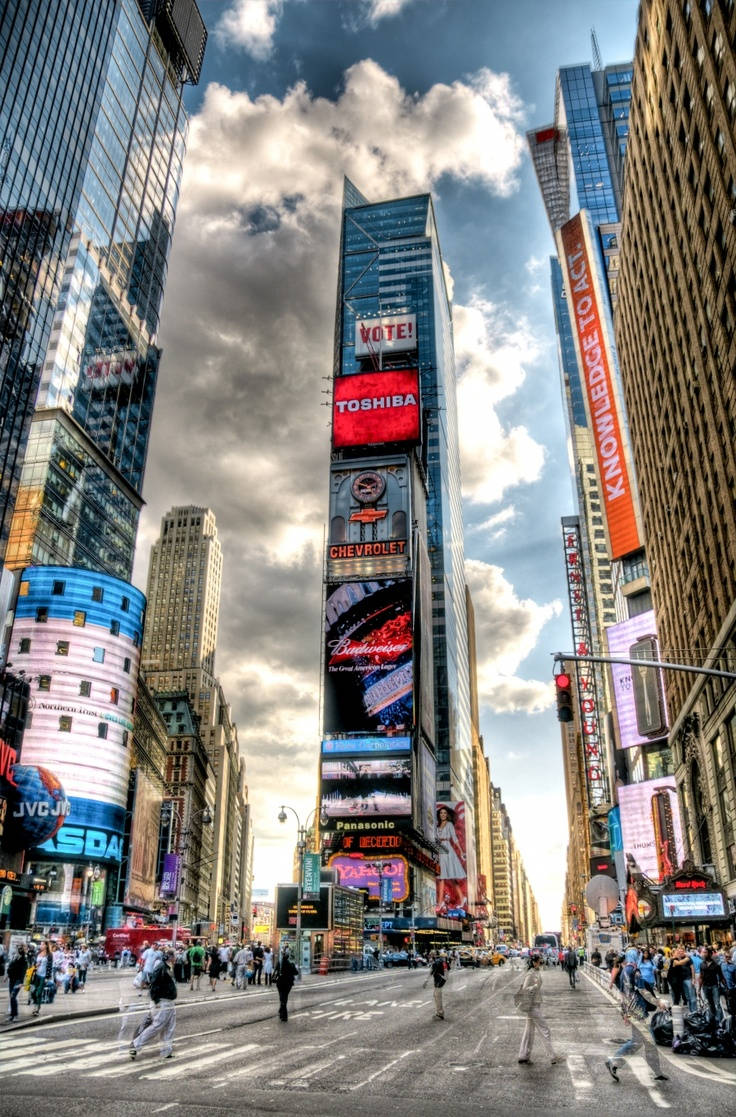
(310, 876)
(387, 890)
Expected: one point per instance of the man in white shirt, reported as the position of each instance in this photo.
(241, 965)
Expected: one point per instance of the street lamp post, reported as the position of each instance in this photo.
(301, 846)
(181, 848)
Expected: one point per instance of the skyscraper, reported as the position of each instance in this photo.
(178, 654)
(675, 329)
(395, 556)
(92, 135)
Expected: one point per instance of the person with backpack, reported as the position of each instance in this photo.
(437, 971)
(162, 990)
(196, 963)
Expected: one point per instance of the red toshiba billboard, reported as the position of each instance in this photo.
(376, 407)
(596, 364)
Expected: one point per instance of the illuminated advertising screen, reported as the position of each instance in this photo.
(638, 691)
(355, 872)
(141, 889)
(369, 674)
(376, 407)
(315, 913)
(452, 883)
(369, 518)
(651, 829)
(366, 788)
(77, 634)
(693, 905)
(357, 745)
(394, 334)
(592, 331)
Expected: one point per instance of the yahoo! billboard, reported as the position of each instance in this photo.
(355, 872)
(372, 408)
(369, 675)
(638, 691)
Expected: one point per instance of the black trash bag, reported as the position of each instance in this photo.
(699, 1024)
(685, 1045)
(661, 1027)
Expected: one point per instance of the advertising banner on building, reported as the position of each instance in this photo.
(592, 330)
(651, 828)
(394, 334)
(170, 874)
(379, 788)
(356, 872)
(369, 675)
(144, 830)
(638, 692)
(373, 408)
(369, 519)
(339, 746)
(452, 883)
(310, 876)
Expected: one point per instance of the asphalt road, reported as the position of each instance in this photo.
(354, 1046)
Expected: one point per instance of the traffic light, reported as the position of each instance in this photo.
(563, 686)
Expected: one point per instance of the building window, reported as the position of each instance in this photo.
(24, 646)
(42, 614)
(126, 665)
(126, 735)
(97, 593)
(58, 588)
(85, 688)
(102, 729)
(114, 628)
(114, 695)
(44, 682)
(80, 618)
(62, 647)
(125, 604)
(23, 589)
(98, 655)
(65, 724)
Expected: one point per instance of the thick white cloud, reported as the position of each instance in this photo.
(250, 24)
(507, 629)
(385, 9)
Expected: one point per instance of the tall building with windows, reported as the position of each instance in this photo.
(675, 331)
(394, 566)
(178, 654)
(92, 136)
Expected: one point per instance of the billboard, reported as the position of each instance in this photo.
(315, 913)
(650, 826)
(693, 905)
(452, 883)
(368, 661)
(638, 691)
(596, 357)
(369, 519)
(144, 830)
(359, 788)
(77, 634)
(334, 746)
(372, 408)
(396, 333)
(355, 872)
(170, 874)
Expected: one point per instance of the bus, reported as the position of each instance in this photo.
(548, 940)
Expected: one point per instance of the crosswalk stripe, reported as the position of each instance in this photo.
(187, 1064)
(131, 1066)
(643, 1074)
(37, 1064)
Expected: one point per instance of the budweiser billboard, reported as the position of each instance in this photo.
(376, 407)
(375, 336)
(589, 314)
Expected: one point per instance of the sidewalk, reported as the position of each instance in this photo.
(107, 989)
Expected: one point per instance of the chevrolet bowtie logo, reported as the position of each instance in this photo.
(369, 515)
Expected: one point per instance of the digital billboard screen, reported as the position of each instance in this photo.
(452, 883)
(355, 872)
(357, 745)
(372, 408)
(651, 828)
(369, 518)
(315, 914)
(638, 691)
(359, 788)
(693, 905)
(369, 676)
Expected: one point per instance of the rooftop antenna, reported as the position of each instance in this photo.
(597, 60)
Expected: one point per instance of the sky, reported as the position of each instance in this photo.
(403, 97)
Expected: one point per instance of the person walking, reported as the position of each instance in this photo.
(240, 961)
(635, 1007)
(528, 1000)
(437, 971)
(571, 966)
(162, 991)
(712, 983)
(257, 963)
(267, 965)
(680, 978)
(43, 972)
(84, 960)
(16, 968)
(196, 956)
(286, 975)
(213, 967)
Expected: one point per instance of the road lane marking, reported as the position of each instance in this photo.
(302, 1075)
(133, 1067)
(643, 1073)
(22, 1066)
(578, 1069)
(187, 1064)
(383, 1070)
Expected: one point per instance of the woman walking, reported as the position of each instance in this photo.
(529, 1000)
(42, 973)
(267, 964)
(213, 968)
(16, 973)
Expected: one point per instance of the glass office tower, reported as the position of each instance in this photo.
(92, 136)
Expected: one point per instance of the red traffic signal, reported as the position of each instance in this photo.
(563, 686)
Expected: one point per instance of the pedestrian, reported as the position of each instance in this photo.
(680, 978)
(571, 965)
(84, 960)
(148, 961)
(162, 991)
(42, 972)
(240, 962)
(257, 963)
(196, 956)
(437, 971)
(646, 978)
(728, 970)
(712, 983)
(16, 968)
(267, 965)
(286, 975)
(610, 958)
(213, 966)
(249, 963)
(633, 1007)
(528, 999)
(595, 958)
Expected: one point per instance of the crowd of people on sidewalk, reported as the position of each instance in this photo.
(43, 970)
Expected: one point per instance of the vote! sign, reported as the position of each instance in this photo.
(376, 407)
(374, 336)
